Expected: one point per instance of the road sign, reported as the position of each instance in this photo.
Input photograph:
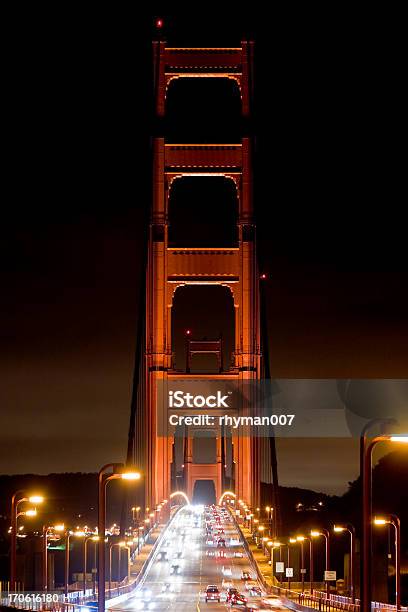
(329, 575)
(280, 567)
(303, 571)
(289, 572)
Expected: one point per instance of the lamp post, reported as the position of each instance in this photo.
(110, 568)
(95, 540)
(268, 511)
(261, 529)
(16, 500)
(366, 548)
(291, 541)
(120, 546)
(276, 545)
(66, 563)
(140, 531)
(46, 530)
(85, 556)
(326, 534)
(311, 563)
(301, 540)
(111, 547)
(128, 546)
(351, 530)
(118, 471)
(395, 522)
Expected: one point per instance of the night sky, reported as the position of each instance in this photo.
(329, 197)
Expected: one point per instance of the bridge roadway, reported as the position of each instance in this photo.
(200, 563)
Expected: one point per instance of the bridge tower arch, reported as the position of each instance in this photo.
(170, 268)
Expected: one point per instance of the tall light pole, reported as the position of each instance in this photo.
(366, 548)
(326, 534)
(261, 529)
(85, 559)
(301, 540)
(276, 545)
(47, 529)
(291, 541)
(66, 563)
(95, 540)
(311, 563)
(395, 522)
(269, 513)
(351, 530)
(18, 498)
(118, 471)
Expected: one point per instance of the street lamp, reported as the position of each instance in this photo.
(269, 514)
(274, 546)
(326, 534)
(47, 529)
(111, 546)
(395, 522)
(118, 472)
(352, 532)
(68, 535)
(16, 500)
(261, 529)
(301, 539)
(120, 545)
(291, 541)
(95, 539)
(366, 548)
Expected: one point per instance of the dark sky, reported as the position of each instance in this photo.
(330, 192)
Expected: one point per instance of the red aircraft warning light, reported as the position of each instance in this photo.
(159, 23)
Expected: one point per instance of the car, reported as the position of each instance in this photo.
(227, 570)
(221, 542)
(175, 569)
(255, 591)
(167, 587)
(246, 576)
(227, 584)
(212, 593)
(209, 542)
(250, 584)
(238, 554)
(162, 556)
(221, 554)
(210, 553)
(235, 598)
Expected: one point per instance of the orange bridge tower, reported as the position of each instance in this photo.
(169, 269)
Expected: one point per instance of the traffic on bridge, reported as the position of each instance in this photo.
(201, 562)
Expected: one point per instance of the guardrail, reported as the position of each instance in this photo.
(342, 599)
